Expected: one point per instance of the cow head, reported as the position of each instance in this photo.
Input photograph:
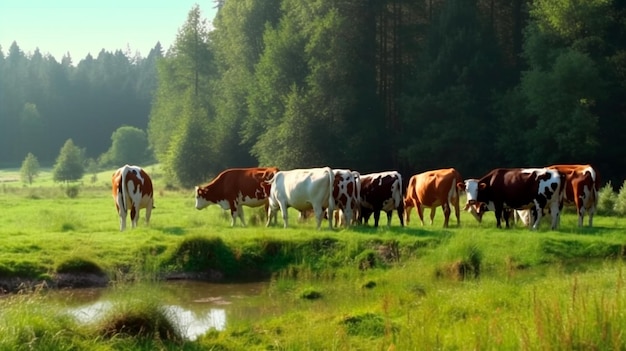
(201, 202)
(472, 187)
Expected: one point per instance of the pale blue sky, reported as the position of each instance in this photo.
(82, 26)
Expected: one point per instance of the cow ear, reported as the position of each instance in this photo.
(482, 186)
(460, 186)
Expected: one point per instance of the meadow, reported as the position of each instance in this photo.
(414, 288)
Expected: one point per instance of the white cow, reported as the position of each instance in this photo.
(302, 189)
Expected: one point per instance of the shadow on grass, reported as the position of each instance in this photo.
(173, 230)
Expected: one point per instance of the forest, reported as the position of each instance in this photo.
(367, 85)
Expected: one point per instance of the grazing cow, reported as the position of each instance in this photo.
(132, 189)
(302, 189)
(581, 189)
(237, 187)
(344, 196)
(381, 192)
(432, 189)
(518, 188)
(508, 214)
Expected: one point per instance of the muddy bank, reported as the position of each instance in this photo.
(90, 280)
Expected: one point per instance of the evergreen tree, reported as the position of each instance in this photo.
(187, 67)
(449, 103)
(190, 159)
(69, 164)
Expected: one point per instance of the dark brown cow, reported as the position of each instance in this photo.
(237, 187)
(381, 192)
(518, 188)
(433, 189)
(581, 189)
(132, 189)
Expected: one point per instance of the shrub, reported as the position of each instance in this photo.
(140, 319)
(79, 265)
(72, 191)
(620, 201)
(310, 293)
(606, 200)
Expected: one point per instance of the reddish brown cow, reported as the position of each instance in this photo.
(381, 192)
(433, 189)
(236, 187)
(132, 189)
(581, 189)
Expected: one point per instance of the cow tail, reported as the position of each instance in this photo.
(124, 189)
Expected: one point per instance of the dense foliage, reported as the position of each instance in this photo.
(370, 85)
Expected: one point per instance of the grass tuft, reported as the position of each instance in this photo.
(310, 293)
(76, 265)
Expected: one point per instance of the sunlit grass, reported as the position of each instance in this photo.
(468, 287)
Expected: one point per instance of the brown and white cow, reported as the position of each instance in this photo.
(581, 189)
(132, 190)
(302, 189)
(345, 196)
(518, 188)
(433, 189)
(381, 192)
(237, 187)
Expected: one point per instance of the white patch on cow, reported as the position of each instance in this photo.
(224, 204)
(471, 190)
(592, 172)
(553, 201)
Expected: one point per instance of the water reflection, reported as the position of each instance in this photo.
(195, 307)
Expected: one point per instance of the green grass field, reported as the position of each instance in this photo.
(413, 288)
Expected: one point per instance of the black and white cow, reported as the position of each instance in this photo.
(518, 188)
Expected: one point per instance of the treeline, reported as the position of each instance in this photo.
(370, 85)
(43, 102)
(409, 85)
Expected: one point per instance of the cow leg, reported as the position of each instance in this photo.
(319, 215)
(242, 216)
(556, 215)
(498, 211)
(420, 213)
(457, 213)
(376, 217)
(407, 212)
(446, 214)
(134, 216)
(389, 214)
(271, 214)
(433, 210)
(122, 220)
(539, 213)
(283, 211)
(400, 210)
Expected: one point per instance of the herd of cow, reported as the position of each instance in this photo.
(347, 197)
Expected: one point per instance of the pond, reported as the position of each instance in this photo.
(195, 307)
